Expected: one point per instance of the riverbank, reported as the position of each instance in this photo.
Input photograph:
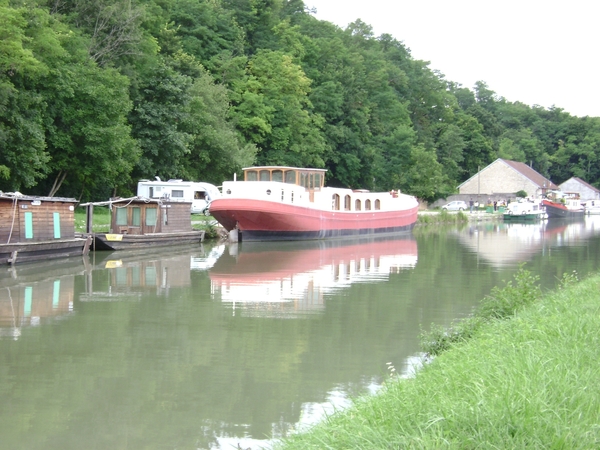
(531, 381)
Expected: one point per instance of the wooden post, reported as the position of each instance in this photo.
(89, 218)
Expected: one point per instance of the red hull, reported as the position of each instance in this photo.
(264, 220)
(560, 211)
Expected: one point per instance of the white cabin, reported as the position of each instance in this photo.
(200, 194)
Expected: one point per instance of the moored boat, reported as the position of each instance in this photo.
(592, 207)
(139, 222)
(290, 203)
(525, 210)
(34, 228)
(563, 205)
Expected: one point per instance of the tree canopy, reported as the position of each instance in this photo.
(95, 95)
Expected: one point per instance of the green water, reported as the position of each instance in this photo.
(216, 346)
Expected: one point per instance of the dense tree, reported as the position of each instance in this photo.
(95, 94)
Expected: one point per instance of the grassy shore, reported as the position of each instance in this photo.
(529, 381)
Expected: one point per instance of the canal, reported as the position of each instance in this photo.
(224, 345)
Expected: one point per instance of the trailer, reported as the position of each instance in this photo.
(199, 194)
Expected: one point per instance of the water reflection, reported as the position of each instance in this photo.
(506, 244)
(291, 278)
(185, 348)
(31, 295)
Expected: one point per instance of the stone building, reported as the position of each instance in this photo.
(586, 191)
(502, 179)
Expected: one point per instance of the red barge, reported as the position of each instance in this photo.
(290, 203)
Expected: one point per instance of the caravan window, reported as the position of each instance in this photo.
(177, 193)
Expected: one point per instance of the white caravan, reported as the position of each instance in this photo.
(198, 193)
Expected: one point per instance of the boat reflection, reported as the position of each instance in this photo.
(35, 293)
(505, 244)
(129, 275)
(292, 278)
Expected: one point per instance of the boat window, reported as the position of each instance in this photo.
(290, 176)
(318, 182)
(335, 202)
(347, 203)
(304, 179)
(251, 175)
(150, 217)
(136, 216)
(377, 204)
(367, 205)
(121, 219)
(277, 175)
(177, 193)
(311, 181)
(357, 205)
(292, 197)
(265, 175)
(282, 195)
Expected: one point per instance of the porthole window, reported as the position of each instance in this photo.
(268, 191)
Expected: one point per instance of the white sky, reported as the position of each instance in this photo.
(537, 52)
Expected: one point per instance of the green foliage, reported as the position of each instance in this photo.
(503, 302)
(96, 94)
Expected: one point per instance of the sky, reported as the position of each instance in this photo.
(544, 53)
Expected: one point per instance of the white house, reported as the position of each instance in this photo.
(586, 191)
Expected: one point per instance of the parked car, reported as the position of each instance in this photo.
(457, 205)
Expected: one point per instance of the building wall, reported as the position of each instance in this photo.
(585, 192)
(498, 177)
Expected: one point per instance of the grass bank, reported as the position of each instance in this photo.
(532, 381)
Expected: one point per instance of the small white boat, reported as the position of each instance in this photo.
(592, 207)
(525, 210)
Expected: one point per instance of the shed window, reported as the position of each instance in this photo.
(121, 217)
(151, 217)
(136, 216)
(56, 220)
(28, 225)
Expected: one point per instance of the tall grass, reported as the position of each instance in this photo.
(443, 217)
(529, 382)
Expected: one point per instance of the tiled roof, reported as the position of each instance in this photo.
(589, 186)
(528, 172)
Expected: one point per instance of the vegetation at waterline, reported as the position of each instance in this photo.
(96, 95)
(443, 217)
(528, 382)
